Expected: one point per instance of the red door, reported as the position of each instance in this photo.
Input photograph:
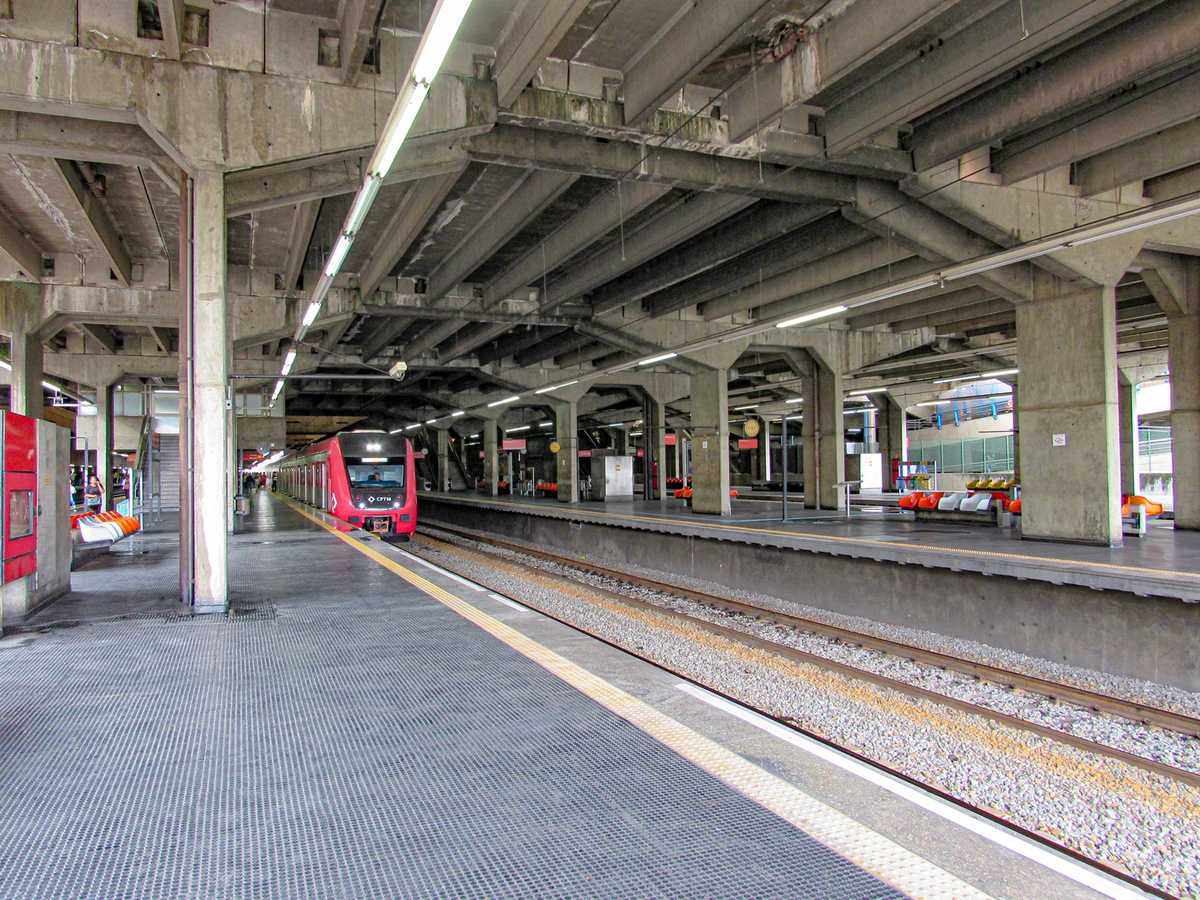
(20, 496)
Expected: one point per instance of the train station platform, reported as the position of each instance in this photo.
(360, 725)
(1129, 611)
(1163, 563)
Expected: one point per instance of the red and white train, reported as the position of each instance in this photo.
(365, 478)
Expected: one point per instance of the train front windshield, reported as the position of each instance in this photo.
(375, 476)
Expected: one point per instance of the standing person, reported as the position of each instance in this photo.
(93, 495)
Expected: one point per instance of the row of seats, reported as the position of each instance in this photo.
(1130, 500)
(106, 526)
(686, 493)
(991, 484)
(677, 483)
(960, 501)
(547, 487)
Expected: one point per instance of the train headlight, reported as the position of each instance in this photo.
(397, 504)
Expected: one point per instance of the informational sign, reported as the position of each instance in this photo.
(585, 454)
(641, 454)
(747, 443)
(1058, 440)
(513, 444)
(670, 439)
(751, 428)
(418, 454)
(555, 446)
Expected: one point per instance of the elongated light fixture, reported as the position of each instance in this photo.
(512, 399)
(661, 357)
(811, 316)
(435, 43)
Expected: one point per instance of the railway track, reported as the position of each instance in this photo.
(986, 812)
(1059, 692)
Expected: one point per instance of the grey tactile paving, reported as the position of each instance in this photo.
(361, 740)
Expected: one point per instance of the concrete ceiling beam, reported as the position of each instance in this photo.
(162, 339)
(20, 249)
(831, 293)
(170, 14)
(631, 343)
(885, 210)
(433, 335)
(517, 342)
(531, 35)
(775, 258)
(704, 32)
(725, 242)
(95, 213)
(772, 295)
(1174, 148)
(410, 305)
(1171, 279)
(668, 229)
(465, 343)
(835, 50)
(1163, 38)
(909, 308)
(990, 47)
(226, 112)
(559, 151)
(623, 200)
(1002, 321)
(60, 137)
(358, 23)
(555, 346)
(1166, 102)
(286, 184)
(101, 334)
(304, 220)
(969, 313)
(384, 335)
(511, 214)
(417, 207)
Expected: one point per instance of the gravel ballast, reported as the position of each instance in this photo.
(1145, 823)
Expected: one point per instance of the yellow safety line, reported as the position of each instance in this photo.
(870, 851)
(809, 535)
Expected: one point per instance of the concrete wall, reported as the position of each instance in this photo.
(255, 432)
(1110, 631)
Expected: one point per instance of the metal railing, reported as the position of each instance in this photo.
(973, 456)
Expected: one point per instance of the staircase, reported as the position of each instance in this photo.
(160, 468)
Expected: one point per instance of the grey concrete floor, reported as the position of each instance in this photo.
(342, 733)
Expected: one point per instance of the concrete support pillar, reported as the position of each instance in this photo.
(104, 440)
(491, 456)
(25, 390)
(1184, 363)
(892, 435)
(20, 315)
(710, 448)
(677, 472)
(443, 460)
(824, 439)
(764, 448)
(620, 438)
(1067, 351)
(566, 430)
(1016, 432)
(1127, 429)
(209, 423)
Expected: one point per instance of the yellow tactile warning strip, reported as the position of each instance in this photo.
(836, 539)
(874, 853)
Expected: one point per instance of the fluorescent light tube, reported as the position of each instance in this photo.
(865, 391)
(289, 361)
(338, 255)
(519, 428)
(310, 315)
(794, 400)
(430, 421)
(997, 372)
(556, 387)
(512, 399)
(662, 357)
(361, 206)
(812, 316)
(411, 427)
(457, 413)
(544, 424)
(744, 408)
